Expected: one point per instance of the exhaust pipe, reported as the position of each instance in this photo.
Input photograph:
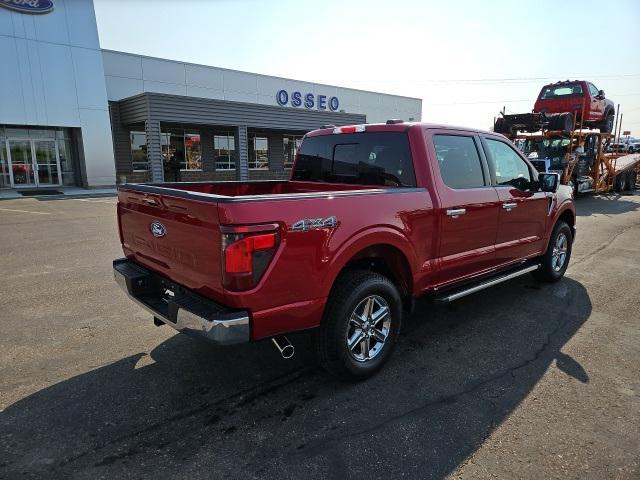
(284, 346)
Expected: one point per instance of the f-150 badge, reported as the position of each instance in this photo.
(307, 224)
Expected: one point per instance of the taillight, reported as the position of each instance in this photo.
(350, 129)
(246, 253)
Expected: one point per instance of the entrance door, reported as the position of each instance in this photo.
(46, 162)
(33, 162)
(21, 163)
(5, 176)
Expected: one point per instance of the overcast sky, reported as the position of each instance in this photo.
(465, 59)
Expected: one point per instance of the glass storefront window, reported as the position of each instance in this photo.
(224, 148)
(66, 162)
(181, 151)
(5, 179)
(258, 153)
(36, 157)
(139, 151)
(291, 144)
(193, 153)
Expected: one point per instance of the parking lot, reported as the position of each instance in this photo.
(520, 381)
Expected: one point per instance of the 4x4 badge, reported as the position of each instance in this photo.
(307, 224)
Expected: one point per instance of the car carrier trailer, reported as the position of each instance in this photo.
(581, 160)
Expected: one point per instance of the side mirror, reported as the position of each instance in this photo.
(549, 182)
(601, 94)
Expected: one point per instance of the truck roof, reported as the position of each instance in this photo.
(391, 127)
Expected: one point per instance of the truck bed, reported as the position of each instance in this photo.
(227, 191)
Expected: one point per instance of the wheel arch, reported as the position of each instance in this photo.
(386, 252)
(566, 214)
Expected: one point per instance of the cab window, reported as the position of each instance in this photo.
(510, 168)
(459, 161)
(366, 158)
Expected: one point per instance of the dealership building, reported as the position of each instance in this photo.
(73, 114)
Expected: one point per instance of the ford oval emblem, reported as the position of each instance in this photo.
(28, 6)
(157, 229)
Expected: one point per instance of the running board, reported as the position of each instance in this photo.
(486, 284)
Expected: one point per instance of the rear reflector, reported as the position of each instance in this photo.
(349, 129)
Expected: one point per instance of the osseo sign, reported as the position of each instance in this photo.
(28, 6)
(308, 100)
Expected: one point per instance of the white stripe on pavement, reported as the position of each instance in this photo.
(24, 211)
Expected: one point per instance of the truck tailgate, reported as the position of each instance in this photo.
(175, 237)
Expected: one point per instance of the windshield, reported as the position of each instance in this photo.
(554, 147)
(561, 90)
(368, 158)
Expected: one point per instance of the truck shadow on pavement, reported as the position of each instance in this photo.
(189, 410)
(608, 204)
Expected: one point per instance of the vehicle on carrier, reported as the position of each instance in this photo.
(373, 217)
(563, 106)
(585, 160)
(618, 148)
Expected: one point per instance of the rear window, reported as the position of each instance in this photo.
(562, 90)
(367, 158)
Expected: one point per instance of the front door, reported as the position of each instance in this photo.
(468, 207)
(46, 165)
(523, 209)
(597, 104)
(33, 163)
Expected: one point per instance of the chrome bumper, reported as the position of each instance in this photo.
(180, 308)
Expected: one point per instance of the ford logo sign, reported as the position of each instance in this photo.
(28, 6)
(157, 229)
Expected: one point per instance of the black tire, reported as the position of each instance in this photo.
(607, 125)
(561, 121)
(620, 183)
(501, 126)
(548, 271)
(565, 122)
(330, 340)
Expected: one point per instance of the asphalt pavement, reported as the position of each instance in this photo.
(524, 380)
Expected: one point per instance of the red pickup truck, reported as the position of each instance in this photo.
(556, 106)
(373, 216)
(582, 97)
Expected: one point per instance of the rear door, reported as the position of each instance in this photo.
(469, 205)
(176, 237)
(523, 209)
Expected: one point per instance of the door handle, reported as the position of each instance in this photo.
(456, 212)
(509, 205)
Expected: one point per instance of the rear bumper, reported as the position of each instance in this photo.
(179, 307)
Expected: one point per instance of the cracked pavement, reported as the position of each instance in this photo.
(523, 380)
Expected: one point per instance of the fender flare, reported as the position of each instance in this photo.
(565, 206)
(359, 242)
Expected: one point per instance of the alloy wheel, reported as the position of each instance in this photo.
(559, 254)
(369, 326)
